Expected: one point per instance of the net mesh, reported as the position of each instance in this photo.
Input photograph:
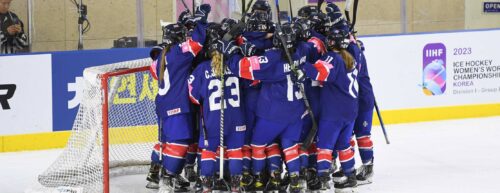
(132, 131)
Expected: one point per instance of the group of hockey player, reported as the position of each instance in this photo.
(255, 85)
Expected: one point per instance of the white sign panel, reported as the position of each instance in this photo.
(431, 70)
(25, 94)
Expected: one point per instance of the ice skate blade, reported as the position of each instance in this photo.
(153, 185)
(364, 182)
(345, 190)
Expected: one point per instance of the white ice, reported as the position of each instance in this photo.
(456, 156)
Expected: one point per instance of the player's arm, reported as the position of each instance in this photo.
(195, 82)
(324, 69)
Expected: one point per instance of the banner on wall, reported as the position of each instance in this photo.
(25, 94)
(431, 70)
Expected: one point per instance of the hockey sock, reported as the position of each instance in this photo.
(324, 160)
(155, 154)
(258, 158)
(191, 154)
(274, 159)
(235, 161)
(208, 162)
(291, 151)
(365, 145)
(247, 157)
(346, 158)
(174, 156)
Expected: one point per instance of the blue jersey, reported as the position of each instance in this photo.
(338, 96)
(366, 96)
(205, 89)
(279, 99)
(172, 98)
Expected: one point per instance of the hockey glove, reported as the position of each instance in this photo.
(227, 48)
(248, 49)
(201, 13)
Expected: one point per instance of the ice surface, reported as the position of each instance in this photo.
(457, 156)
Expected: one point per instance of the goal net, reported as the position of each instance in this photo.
(113, 132)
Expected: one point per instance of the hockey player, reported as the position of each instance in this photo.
(171, 69)
(363, 123)
(258, 35)
(337, 70)
(280, 109)
(204, 89)
(312, 90)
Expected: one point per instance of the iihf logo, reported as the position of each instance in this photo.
(434, 69)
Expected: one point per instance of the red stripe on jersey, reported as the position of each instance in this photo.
(291, 153)
(175, 150)
(323, 69)
(365, 142)
(318, 44)
(191, 46)
(208, 155)
(191, 97)
(325, 154)
(152, 69)
(273, 150)
(235, 153)
(258, 152)
(248, 65)
(346, 155)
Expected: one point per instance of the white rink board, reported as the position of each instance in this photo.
(395, 64)
(31, 106)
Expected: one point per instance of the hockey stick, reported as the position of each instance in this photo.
(381, 123)
(185, 6)
(355, 13)
(320, 2)
(163, 62)
(348, 4)
(222, 105)
(291, 10)
(310, 136)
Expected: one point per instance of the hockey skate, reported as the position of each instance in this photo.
(336, 176)
(170, 184)
(220, 185)
(346, 184)
(274, 184)
(365, 174)
(259, 186)
(313, 182)
(324, 183)
(153, 176)
(235, 184)
(285, 182)
(190, 173)
(182, 182)
(246, 181)
(295, 186)
(198, 186)
(206, 185)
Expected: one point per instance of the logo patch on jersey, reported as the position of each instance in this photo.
(241, 128)
(174, 111)
(434, 69)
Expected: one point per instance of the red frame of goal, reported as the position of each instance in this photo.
(105, 123)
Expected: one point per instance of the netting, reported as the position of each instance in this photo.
(132, 130)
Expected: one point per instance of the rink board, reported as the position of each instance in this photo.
(464, 84)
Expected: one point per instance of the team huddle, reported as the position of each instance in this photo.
(287, 100)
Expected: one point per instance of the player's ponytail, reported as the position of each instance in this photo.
(348, 59)
(216, 62)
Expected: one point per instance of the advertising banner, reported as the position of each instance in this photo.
(432, 70)
(25, 94)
